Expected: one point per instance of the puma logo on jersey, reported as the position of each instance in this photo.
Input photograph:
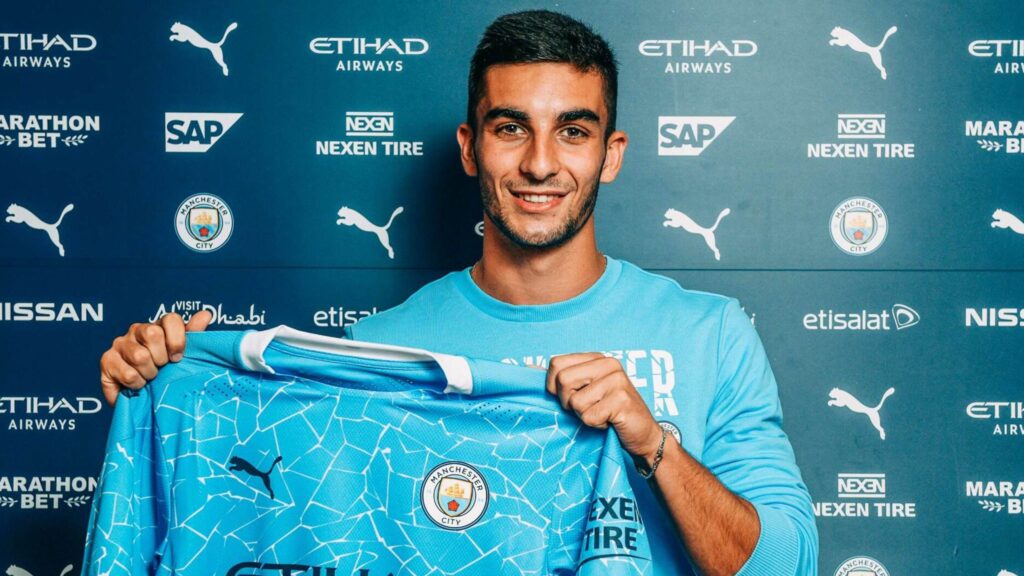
(22, 215)
(238, 463)
(349, 217)
(13, 570)
(843, 37)
(1003, 219)
(844, 399)
(676, 219)
(183, 33)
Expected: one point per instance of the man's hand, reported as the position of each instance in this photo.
(595, 387)
(133, 359)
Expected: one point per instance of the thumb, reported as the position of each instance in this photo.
(199, 321)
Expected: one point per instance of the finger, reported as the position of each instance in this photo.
(174, 335)
(115, 372)
(598, 415)
(577, 376)
(199, 321)
(152, 337)
(558, 364)
(136, 356)
(580, 400)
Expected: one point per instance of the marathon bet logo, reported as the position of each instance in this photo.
(902, 317)
(994, 317)
(46, 130)
(339, 317)
(997, 413)
(858, 226)
(195, 131)
(858, 487)
(861, 566)
(996, 135)
(698, 56)
(375, 54)
(997, 496)
(860, 127)
(27, 50)
(50, 312)
(689, 135)
(1002, 51)
(46, 492)
(366, 130)
(186, 308)
(45, 413)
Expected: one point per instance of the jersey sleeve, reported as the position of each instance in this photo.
(599, 527)
(750, 454)
(128, 519)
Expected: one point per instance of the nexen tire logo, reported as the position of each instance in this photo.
(195, 131)
(689, 135)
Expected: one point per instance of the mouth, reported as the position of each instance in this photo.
(538, 201)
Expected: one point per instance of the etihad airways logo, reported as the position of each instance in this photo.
(27, 50)
(46, 130)
(997, 135)
(698, 56)
(195, 131)
(1007, 418)
(689, 135)
(1002, 51)
(994, 317)
(375, 54)
(900, 317)
(45, 413)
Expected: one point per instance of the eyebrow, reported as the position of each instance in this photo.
(575, 115)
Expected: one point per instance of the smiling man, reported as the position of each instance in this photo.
(680, 375)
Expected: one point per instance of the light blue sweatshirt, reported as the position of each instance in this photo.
(694, 357)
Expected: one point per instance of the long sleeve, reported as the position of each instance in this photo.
(128, 520)
(748, 451)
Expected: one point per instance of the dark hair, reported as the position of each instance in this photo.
(542, 36)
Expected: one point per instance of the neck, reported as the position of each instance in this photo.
(530, 276)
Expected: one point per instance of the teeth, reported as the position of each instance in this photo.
(537, 198)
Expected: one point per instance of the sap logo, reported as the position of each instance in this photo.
(861, 126)
(862, 485)
(374, 124)
(689, 135)
(195, 131)
(994, 317)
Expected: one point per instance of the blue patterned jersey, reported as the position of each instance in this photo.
(282, 453)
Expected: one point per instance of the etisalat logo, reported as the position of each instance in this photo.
(997, 496)
(698, 56)
(369, 54)
(368, 134)
(46, 130)
(901, 316)
(856, 129)
(339, 316)
(997, 135)
(1006, 418)
(1002, 51)
(26, 50)
(46, 413)
(863, 495)
(46, 492)
(262, 569)
(186, 308)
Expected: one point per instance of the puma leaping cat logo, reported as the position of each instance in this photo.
(13, 570)
(22, 215)
(350, 217)
(676, 219)
(1005, 573)
(243, 465)
(183, 33)
(843, 37)
(1003, 219)
(844, 399)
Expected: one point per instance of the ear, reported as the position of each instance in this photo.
(615, 149)
(467, 153)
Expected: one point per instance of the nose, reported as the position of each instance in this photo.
(540, 160)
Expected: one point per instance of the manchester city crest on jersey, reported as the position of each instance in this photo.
(454, 495)
(858, 226)
(672, 429)
(204, 222)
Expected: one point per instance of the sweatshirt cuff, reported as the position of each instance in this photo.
(778, 546)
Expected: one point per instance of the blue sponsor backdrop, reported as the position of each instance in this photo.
(933, 312)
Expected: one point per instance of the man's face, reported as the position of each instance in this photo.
(539, 150)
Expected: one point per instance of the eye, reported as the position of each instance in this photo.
(575, 133)
(509, 130)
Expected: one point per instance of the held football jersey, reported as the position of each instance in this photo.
(283, 453)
